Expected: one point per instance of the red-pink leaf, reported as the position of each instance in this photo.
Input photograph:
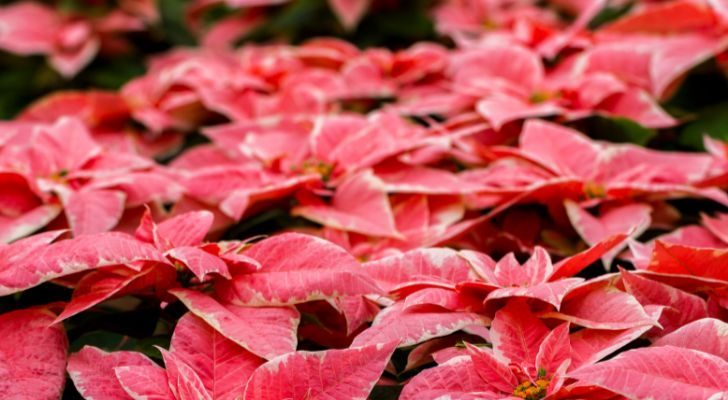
(349, 12)
(499, 109)
(516, 334)
(632, 219)
(360, 205)
(93, 210)
(221, 364)
(200, 262)
(560, 149)
(574, 264)
(400, 178)
(412, 327)
(683, 260)
(12, 228)
(93, 371)
(32, 355)
(603, 308)
(493, 369)
(422, 266)
(717, 225)
(141, 187)
(591, 345)
(20, 38)
(549, 292)
(144, 382)
(639, 106)
(266, 332)
(214, 184)
(98, 286)
(348, 374)
(19, 250)
(509, 67)
(456, 379)
(18, 196)
(65, 146)
(184, 382)
(188, 229)
(683, 307)
(297, 268)
(357, 310)
(683, 15)
(555, 349)
(665, 372)
(509, 272)
(446, 298)
(482, 264)
(708, 335)
(75, 255)
(239, 201)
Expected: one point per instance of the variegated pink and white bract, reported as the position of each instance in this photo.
(460, 219)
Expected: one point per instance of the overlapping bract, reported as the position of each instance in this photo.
(440, 205)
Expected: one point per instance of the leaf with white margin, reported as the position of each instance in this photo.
(32, 355)
(632, 220)
(92, 371)
(435, 265)
(602, 308)
(708, 335)
(411, 327)
(297, 268)
(681, 307)
(188, 229)
(221, 364)
(92, 211)
(665, 372)
(348, 374)
(360, 205)
(264, 331)
(456, 379)
(200, 262)
(75, 255)
(183, 381)
(144, 382)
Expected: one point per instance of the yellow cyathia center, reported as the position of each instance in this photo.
(490, 25)
(60, 176)
(539, 97)
(317, 167)
(532, 390)
(595, 190)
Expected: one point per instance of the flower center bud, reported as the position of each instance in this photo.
(532, 390)
(595, 190)
(317, 167)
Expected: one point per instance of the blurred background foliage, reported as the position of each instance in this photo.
(391, 24)
(701, 101)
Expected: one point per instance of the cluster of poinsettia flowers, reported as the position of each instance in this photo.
(443, 213)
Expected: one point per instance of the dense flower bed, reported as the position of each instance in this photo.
(519, 199)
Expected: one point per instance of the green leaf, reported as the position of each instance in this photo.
(609, 14)
(385, 392)
(108, 341)
(619, 130)
(173, 23)
(113, 341)
(148, 346)
(704, 86)
(115, 73)
(712, 121)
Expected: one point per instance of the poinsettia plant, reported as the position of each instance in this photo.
(364, 199)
